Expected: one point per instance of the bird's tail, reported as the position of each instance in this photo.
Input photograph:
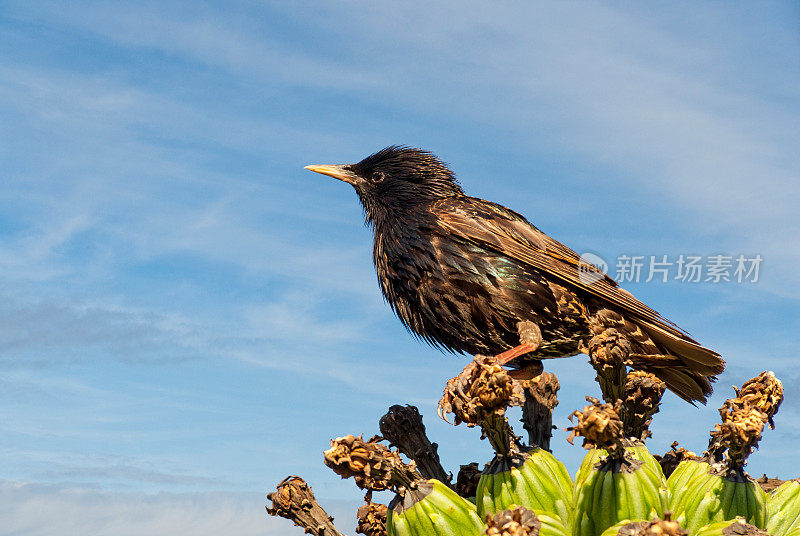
(681, 380)
(685, 366)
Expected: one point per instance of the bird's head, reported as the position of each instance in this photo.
(394, 180)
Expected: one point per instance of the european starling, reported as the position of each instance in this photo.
(469, 275)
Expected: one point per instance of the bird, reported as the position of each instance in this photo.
(471, 276)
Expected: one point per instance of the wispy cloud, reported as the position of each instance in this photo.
(37, 510)
(121, 474)
(659, 113)
(176, 294)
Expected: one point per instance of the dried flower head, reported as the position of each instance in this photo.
(291, 495)
(369, 462)
(483, 389)
(673, 457)
(764, 392)
(294, 500)
(663, 527)
(513, 522)
(744, 418)
(403, 428)
(654, 527)
(599, 425)
(371, 519)
(467, 480)
(739, 432)
(643, 392)
(609, 353)
(609, 349)
(741, 528)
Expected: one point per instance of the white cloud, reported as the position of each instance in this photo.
(133, 163)
(612, 86)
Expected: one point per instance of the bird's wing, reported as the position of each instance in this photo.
(508, 233)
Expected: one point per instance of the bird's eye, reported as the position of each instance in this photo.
(378, 176)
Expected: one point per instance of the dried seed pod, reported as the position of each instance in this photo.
(483, 389)
(467, 480)
(295, 501)
(739, 432)
(654, 527)
(731, 527)
(609, 353)
(514, 522)
(599, 425)
(371, 519)
(520, 521)
(673, 457)
(643, 392)
(402, 426)
(764, 392)
(370, 463)
(537, 411)
(480, 396)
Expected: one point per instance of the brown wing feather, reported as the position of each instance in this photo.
(511, 234)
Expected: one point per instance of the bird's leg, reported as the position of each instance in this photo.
(537, 412)
(530, 337)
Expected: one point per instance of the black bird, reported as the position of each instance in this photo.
(466, 275)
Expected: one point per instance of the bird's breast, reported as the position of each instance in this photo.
(464, 298)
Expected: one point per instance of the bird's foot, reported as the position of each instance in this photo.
(530, 337)
(510, 355)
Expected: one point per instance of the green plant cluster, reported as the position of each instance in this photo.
(620, 488)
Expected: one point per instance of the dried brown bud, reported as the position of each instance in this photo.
(402, 426)
(537, 412)
(295, 501)
(609, 348)
(369, 462)
(609, 353)
(599, 424)
(673, 457)
(371, 519)
(544, 388)
(514, 522)
(659, 527)
(643, 392)
(482, 390)
(467, 480)
(740, 528)
(744, 418)
(654, 527)
(291, 493)
(739, 432)
(764, 392)
(769, 484)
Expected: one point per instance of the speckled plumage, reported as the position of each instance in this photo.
(462, 272)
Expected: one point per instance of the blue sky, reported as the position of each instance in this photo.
(188, 316)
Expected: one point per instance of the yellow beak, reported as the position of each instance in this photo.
(337, 172)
